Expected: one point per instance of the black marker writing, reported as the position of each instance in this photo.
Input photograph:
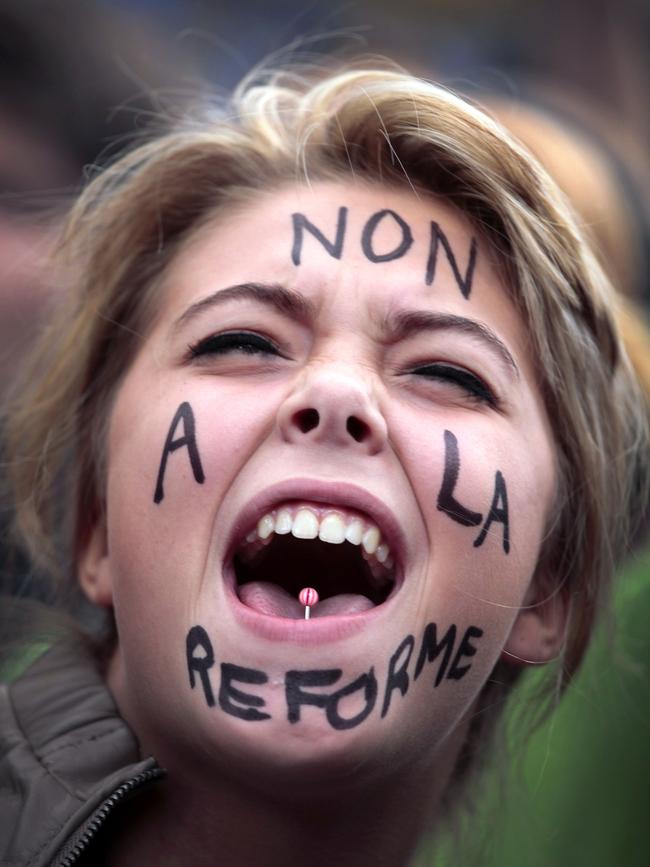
(446, 501)
(197, 638)
(498, 512)
(298, 682)
(397, 674)
(334, 248)
(466, 648)
(185, 415)
(369, 230)
(437, 239)
(246, 703)
(367, 683)
(464, 283)
(431, 649)
(311, 688)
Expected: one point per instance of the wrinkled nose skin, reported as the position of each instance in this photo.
(335, 408)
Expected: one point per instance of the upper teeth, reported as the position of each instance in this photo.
(328, 525)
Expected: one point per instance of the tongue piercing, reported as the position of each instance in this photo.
(308, 597)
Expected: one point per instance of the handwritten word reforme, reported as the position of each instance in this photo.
(312, 688)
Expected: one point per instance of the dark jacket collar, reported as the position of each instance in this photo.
(66, 759)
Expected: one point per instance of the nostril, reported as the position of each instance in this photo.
(307, 419)
(357, 429)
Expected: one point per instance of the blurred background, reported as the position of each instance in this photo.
(81, 79)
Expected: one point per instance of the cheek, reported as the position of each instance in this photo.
(485, 492)
(170, 466)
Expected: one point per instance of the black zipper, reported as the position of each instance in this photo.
(74, 850)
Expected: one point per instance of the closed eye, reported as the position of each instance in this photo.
(471, 384)
(245, 342)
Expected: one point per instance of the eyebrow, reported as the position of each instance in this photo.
(398, 326)
(406, 323)
(285, 301)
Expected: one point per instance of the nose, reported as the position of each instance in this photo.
(333, 407)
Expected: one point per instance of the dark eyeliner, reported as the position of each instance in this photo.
(470, 383)
(246, 342)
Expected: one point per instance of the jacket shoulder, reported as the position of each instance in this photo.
(63, 751)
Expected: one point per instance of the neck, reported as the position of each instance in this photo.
(224, 822)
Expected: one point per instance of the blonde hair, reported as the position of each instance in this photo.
(384, 127)
(584, 162)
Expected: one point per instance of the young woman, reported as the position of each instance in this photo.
(343, 336)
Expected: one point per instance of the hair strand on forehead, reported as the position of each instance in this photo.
(370, 126)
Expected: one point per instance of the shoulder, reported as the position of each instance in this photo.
(63, 751)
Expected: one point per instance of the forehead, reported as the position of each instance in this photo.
(349, 247)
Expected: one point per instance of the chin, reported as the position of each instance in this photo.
(313, 761)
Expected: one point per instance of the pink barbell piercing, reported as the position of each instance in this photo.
(308, 597)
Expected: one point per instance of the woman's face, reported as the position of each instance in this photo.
(337, 393)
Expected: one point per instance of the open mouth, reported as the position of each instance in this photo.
(340, 553)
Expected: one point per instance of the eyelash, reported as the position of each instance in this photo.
(471, 384)
(250, 343)
(246, 342)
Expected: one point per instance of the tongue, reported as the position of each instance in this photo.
(273, 600)
(344, 603)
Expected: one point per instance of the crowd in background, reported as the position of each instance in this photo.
(82, 80)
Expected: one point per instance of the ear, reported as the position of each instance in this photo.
(538, 634)
(93, 568)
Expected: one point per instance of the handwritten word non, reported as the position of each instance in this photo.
(334, 243)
